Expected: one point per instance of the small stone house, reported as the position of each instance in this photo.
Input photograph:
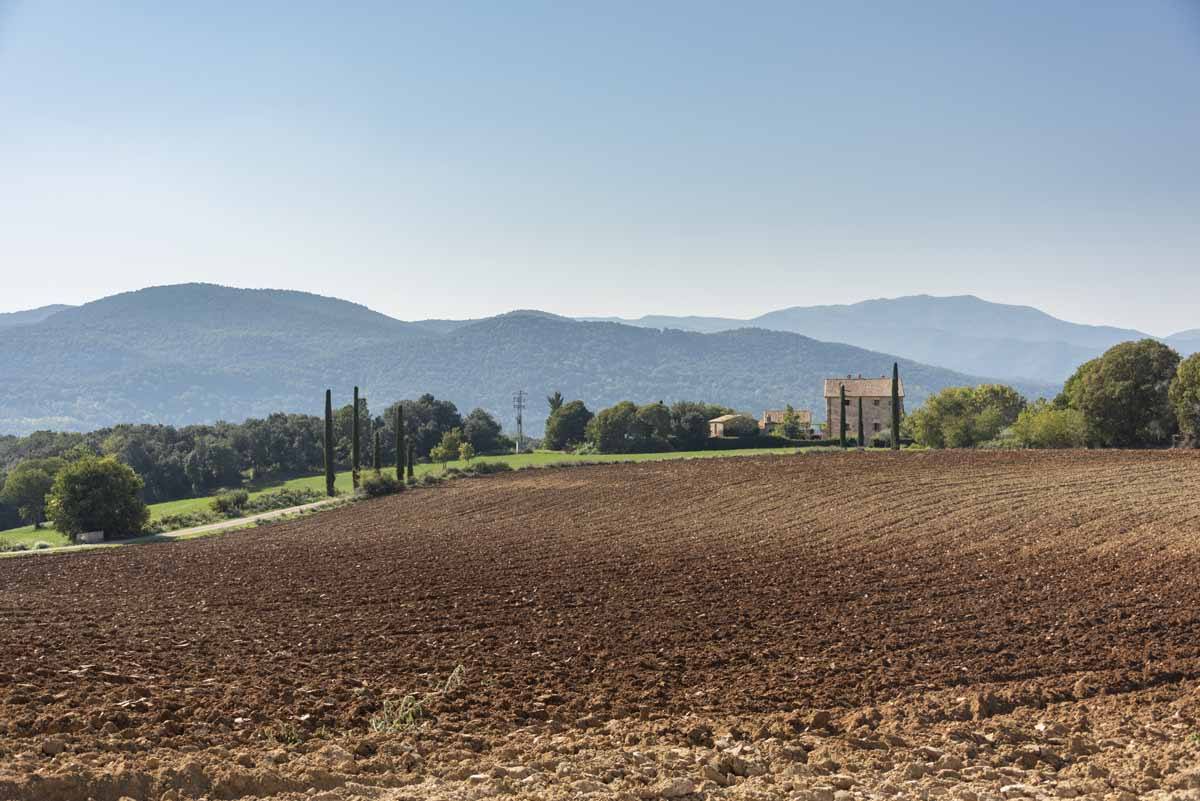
(773, 418)
(876, 394)
(716, 426)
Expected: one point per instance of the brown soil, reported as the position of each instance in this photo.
(963, 624)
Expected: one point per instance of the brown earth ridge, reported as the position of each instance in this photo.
(943, 624)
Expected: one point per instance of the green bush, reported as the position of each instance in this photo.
(741, 443)
(98, 495)
(282, 499)
(963, 417)
(180, 521)
(487, 468)
(376, 485)
(1041, 425)
(447, 449)
(231, 503)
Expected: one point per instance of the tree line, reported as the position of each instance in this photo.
(1138, 394)
(196, 460)
(628, 427)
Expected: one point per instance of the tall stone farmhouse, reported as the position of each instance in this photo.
(876, 394)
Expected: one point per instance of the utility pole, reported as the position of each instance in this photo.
(519, 408)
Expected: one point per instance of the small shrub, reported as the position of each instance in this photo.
(824, 450)
(377, 485)
(41, 545)
(231, 503)
(282, 499)
(286, 733)
(487, 468)
(179, 521)
(1041, 425)
(401, 714)
(429, 480)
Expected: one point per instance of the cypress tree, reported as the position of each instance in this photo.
(895, 406)
(862, 436)
(399, 442)
(329, 471)
(412, 458)
(354, 443)
(842, 415)
(376, 459)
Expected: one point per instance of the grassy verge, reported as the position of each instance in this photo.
(26, 535)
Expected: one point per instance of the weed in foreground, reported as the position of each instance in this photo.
(286, 733)
(403, 714)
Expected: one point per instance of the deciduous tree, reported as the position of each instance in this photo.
(98, 495)
(447, 450)
(1184, 395)
(1124, 395)
(963, 417)
(567, 425)
(27, 486)
(482, 431)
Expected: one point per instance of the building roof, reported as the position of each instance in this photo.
(859, 387)
(725, 418)
(777, 415)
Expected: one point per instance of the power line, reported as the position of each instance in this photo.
(519, 407)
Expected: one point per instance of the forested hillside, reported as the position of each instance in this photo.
(199, 353)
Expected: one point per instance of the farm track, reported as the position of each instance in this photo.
(743, 592)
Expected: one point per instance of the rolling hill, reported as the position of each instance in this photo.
(30, 316)
(1186, 342)
(199, 352)
(962, 333)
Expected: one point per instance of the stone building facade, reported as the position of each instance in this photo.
(876, 394)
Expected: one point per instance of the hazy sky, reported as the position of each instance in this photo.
(461, 159)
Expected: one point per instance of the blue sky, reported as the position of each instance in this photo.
(462, 159)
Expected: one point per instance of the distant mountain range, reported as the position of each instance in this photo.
(198, 352)
(961, 333)
(30, 316)
(1186, 342)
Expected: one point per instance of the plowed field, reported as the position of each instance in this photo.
(961, 624)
